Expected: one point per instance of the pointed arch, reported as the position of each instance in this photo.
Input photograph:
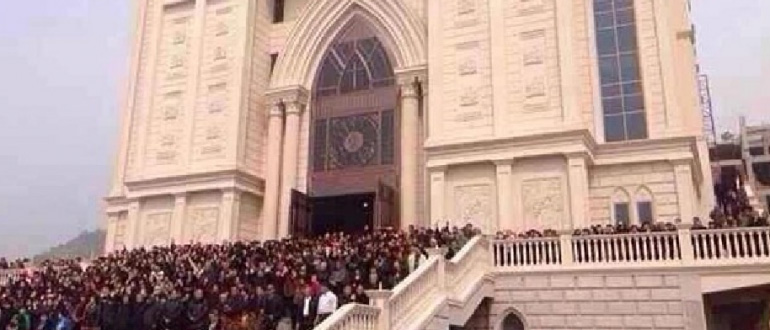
(512, 319)
(620, 206)
(644, 205)
(397, 28)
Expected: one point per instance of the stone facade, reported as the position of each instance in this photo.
(600, 300)
(500, 116)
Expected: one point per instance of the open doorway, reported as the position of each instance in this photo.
(347, 213)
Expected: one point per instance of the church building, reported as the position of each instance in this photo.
(260, 119)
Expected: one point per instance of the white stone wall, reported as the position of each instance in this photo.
(633, 181)
(649, 300)
(533, 78)
(463, 92)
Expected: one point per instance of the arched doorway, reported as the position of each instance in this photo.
(353, 142)
(512, 322)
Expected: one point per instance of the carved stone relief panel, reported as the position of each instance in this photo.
(534, 70)
(473, 205)
(543, 202)
(466, 7)
(531, 7)
(468, 66)
(172, 105)
(204, 221)
(157, 229)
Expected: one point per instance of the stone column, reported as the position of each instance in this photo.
(112, 228)
(289, 166)
(684, 190)
(504, 196)
(134, 238)
(437, 196)
(228, 217)
(409, 153)
(177, 222)
(578, 190)
(273, 172)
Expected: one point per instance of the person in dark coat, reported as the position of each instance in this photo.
(308, 310)
(123, 314)
(172, 313)
(197, 312)
(273, 307)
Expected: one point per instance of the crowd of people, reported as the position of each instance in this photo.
(244, 285)
(13, 264)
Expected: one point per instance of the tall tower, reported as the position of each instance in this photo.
(190, 162)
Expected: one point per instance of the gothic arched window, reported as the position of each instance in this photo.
(356, 65)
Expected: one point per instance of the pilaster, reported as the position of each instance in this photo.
(568, 69)
(228, 221)
(684, 190)
(179, 216)
(499, 68)
(504, 174)
(134, 238)
(578, 190)
(437, 195)
(112, 228)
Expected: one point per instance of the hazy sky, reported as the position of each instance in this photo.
(63, 66)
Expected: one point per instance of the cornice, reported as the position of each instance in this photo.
(228, 179)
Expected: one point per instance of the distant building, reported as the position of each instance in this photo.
(743, 162)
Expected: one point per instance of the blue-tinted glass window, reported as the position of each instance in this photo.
(619, 70)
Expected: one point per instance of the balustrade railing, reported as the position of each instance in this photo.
(420, 286)
(352, 317)
(527, 252)
(645, 247)
(674, 248)
(731, 244)
(468, 265)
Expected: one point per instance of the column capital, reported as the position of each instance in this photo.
(503, 162)
(412, 81)
(275, 110)
(180, 197)
(287, 95)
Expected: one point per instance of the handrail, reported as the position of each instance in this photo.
(683, 247)
(401, 287)
(352, 317)
(467, 248)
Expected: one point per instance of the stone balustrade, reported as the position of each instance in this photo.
(680, 248)
(352, 317)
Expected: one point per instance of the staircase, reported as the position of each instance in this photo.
(438, 294)
(442, 293)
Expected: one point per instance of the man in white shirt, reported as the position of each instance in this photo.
(327, 304)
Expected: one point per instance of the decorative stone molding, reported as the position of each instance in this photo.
(289, 99)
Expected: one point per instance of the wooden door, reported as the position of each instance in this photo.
(300, 214)
(386, 210)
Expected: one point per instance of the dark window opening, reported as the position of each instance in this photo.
(756, 151)
(273, 60)
(278, 11)
(621, 213)
(644, 212)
